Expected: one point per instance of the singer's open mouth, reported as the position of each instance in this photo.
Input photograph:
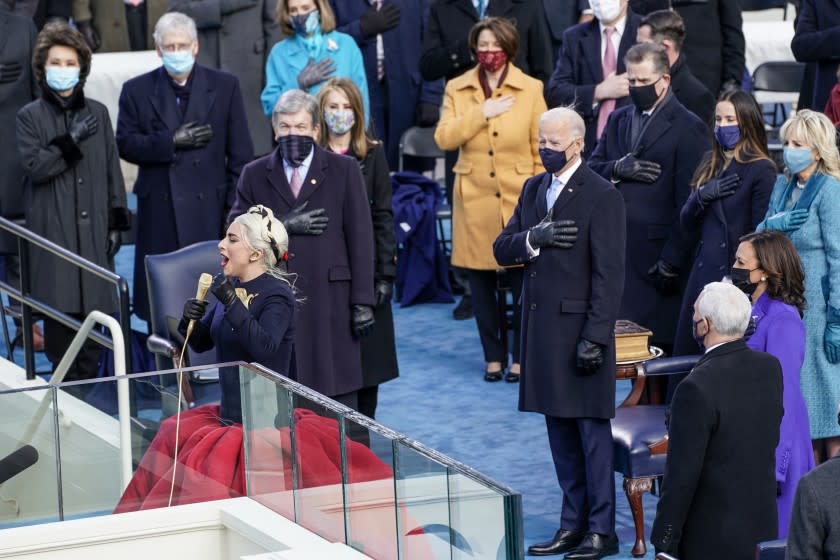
(225, 260)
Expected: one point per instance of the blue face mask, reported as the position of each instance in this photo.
(728, 136)
(306, 24)
(797, 159)
(62, 78)
(553, 160)
(179, 62)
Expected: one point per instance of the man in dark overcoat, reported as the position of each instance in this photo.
(719, 492)
(817, 41)
(578, 78)
(570, 299)
(391, 38)
(186, 129)
(650, 150)
(236, 36)
(335, 266)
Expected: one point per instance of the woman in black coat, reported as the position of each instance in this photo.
(731, 190)
(342, 126)
(253, 319)
(73, 193)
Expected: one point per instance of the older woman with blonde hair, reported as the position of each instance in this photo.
(491, 115)
(312, 52)
(805, 205)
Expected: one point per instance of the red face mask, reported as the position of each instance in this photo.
(491, 61)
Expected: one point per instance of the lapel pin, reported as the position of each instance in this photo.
(313, 181)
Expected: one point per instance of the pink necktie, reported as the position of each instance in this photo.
(607, 67)
(296, 183)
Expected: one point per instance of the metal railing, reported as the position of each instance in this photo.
(25, 238)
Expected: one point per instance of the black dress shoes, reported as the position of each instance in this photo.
(564, 541)
(594, 546)
(493, 376)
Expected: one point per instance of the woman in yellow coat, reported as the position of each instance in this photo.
(491, 115)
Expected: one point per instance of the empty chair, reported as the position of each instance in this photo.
(777, 84)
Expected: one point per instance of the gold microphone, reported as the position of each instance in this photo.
(204, 282)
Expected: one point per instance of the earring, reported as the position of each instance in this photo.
(764, 279)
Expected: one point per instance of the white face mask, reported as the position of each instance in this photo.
(605, 10)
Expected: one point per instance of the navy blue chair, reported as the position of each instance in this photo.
(640, 439)
(771, 550)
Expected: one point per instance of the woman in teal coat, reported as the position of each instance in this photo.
(312, 53)
(805, 204)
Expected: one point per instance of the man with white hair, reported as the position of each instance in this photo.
(184, 124)
(568, 231)
(719, 493)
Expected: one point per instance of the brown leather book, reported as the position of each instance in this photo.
(631, 341)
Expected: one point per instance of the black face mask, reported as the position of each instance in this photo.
(741, 279)
(553, 160)
(697, 338)
(294, 148)
(644, 97)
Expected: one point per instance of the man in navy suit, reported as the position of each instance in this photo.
(579, 78)
(650, 150)
(333, 261)
(185, 126)
(567, 230)
(390, 36)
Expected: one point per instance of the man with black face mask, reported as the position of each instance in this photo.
(650, 150)
(321, 199)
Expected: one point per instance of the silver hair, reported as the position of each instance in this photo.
(571, 117)
(727, 308)
(261, 231)
(293, 101)
(174, 21)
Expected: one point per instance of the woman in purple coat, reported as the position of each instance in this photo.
(767, 268)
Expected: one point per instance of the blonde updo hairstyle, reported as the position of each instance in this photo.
(265, 234)
(817, 130)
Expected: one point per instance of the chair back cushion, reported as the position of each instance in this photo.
(783, 76)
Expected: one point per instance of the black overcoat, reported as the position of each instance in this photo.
(720, 225)
(719, 493)
(568, 294)
(817, 40)
(182, 197)
(334, 270)
(73, 196)
(17, 38)
(676, 139)
(692, 93)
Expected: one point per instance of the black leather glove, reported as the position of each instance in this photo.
(561, 234)
(665, 277)
(82, 127)
(590, 356)
(629, 168)
(362, 320)
(383, 290)
(192, 136)
(718, 188)
(90, 35)
(373, 22)
(194, 309)
(10, 71)
(114, 243)
(223, 289)
(428, 114)
(298, 222)
(315, 73)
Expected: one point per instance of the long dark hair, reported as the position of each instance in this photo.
(779, 260)
(751, 147)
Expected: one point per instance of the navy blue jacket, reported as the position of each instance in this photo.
(264, 333)
(578, 71)
(720, 225)
(404, 86)
(568, 294)
(334, 270)
(816, 40)
(183, 196)
(676, 139)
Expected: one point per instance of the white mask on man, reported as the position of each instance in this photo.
(605, 10)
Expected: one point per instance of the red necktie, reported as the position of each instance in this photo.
(607, 67)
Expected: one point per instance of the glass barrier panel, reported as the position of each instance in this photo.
(30, 491)
(369, 488)
(319, 489)
(422, 494)
(477, 513)
(266, 420)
